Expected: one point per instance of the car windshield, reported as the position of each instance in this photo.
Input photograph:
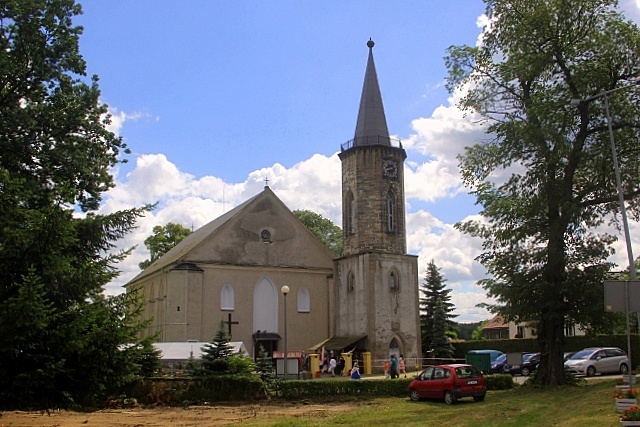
(526, 357)
(500, 359)
(581, 355)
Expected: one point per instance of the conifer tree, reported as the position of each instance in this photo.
(440, 342)
(63, 342)
(433, 290)
(264, 365)
(216, 353)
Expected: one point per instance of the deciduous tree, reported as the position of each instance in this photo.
(162, 240)
(542, 246)
(325, 230)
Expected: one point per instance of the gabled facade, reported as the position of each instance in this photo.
(236, 265)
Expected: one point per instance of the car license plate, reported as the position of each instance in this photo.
(472, 382)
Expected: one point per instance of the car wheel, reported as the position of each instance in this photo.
(413, 394)
(525, 372)
(449, 398)
(591, 371)
(624, 369)
(478, 398)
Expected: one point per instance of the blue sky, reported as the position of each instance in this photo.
(213, 97)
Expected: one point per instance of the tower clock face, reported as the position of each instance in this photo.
(390, 169)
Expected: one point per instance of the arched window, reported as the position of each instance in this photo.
(391, 212)
(351, 282)
(394, 281)
(304, 301)
(227, 298)
(351, 214)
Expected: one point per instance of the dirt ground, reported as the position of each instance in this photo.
(201, 416)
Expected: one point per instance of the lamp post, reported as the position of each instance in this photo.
(285, 291)
(623, 209)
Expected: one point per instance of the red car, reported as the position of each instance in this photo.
(448, 382)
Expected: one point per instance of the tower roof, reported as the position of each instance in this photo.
(371, 128)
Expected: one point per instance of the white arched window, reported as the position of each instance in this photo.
(227, 298)
(304, 301)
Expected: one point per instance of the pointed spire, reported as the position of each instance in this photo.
(371, 128)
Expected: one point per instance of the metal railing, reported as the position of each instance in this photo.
(371, 140)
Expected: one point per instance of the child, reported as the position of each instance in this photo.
(401, 366)
(355, 372)
(386, 369)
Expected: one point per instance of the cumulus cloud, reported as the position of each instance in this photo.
(431, 175)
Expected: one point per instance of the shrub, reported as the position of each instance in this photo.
(498, 382)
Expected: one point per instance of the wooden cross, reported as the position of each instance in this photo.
(231, 322)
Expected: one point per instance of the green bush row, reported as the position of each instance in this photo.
(327, 388)
(188, 391)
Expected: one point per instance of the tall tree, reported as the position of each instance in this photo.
(162, 240)
(325, 230)
(546, 260)
(440, 343)
(55, 157)
(434, 291)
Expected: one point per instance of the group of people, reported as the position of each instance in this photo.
(336, 368)
(394, 367)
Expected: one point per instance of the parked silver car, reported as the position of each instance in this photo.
(601, 360)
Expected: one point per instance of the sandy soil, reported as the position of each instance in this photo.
(201, 416)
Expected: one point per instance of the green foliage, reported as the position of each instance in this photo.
(542, 247)
(199, 391)
(465, 330)
(498, 382)
(325, 230)
(346, 388)
(264, 365)
(63, 343)
(433, 291)
(162, 240)
(477, 334)
(440, 344)
(218, 357)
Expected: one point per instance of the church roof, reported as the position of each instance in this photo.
(252, 216)
(371, 127)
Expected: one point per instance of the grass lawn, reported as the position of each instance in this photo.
(588, 404)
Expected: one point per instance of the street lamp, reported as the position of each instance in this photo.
(623, 209)
(285, 291)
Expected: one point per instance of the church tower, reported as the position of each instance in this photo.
(377, 284)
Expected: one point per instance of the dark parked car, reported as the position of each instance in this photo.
(530, 362)
(497, 366)
(448, 382)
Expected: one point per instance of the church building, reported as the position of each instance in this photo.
(247, 265)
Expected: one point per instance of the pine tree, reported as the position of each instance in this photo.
(264, 365)
(63, 342)
(216, 353)
(440, 342)
(433, 290)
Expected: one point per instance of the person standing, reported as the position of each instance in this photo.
(394, 366)
(386, 369)
(402, 369)
(332, 366)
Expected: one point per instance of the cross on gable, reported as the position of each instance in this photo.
(231, 322)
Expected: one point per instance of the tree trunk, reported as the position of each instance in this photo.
(551, 341)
